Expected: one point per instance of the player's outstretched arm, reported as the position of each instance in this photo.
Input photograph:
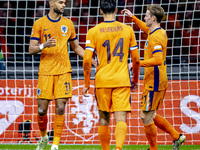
(80, 51)
(138, 22)
(34, 48)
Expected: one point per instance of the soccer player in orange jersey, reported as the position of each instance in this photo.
(112, 42)
(155, 77)
(53, 32)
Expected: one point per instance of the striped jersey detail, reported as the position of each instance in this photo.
(90, 48)
(156, 51)
(133, 48)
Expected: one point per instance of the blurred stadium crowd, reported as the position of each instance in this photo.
(181, 21)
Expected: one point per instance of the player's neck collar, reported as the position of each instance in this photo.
(155, 30)
(109, 21)
(52, 19)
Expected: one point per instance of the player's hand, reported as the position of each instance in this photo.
(135, 87)
(50, 42)
(126, 11)
(85, 91)
(130, 66)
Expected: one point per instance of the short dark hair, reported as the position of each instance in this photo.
(157, 11)
(108, 6)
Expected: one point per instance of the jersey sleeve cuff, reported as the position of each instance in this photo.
(73, 39)
(34, 38)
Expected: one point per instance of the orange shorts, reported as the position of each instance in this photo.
(152, 100)
(114, 99)
(54, 86)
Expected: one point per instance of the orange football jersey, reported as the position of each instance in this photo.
(155, 77)
(111, 41)
(54, 60)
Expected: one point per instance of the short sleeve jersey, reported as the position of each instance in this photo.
(54, 60)
(155, 78)
(111, 41)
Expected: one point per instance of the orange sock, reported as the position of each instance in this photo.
(58, 127)
(120, 134)
(42, 122)
(164, 125)
(104, 137)
(151, 134)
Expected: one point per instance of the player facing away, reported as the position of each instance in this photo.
(53, 31)
(112, 42)
(155, 76)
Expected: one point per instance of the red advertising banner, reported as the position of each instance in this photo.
(18, 114)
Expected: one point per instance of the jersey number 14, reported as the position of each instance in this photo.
(119, 45)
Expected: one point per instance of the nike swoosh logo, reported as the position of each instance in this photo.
(46, 29)
(67, 93)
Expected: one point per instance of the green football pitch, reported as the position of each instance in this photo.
(95, 147)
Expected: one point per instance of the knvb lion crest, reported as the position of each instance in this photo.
(82, 115)
(64, 29)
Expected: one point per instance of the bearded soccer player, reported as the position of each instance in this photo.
(155, 77)
(53, 31)
(112, 41)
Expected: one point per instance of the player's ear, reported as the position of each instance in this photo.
(116, 10)
(101, 12)
(51, 3)
(154, 18)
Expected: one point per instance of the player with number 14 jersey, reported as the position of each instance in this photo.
(111, 41)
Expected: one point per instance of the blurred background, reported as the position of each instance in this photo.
(181, 21)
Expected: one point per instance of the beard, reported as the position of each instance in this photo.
(56, 10)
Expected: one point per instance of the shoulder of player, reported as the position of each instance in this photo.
(66, 19)
(158, 34)
(95, 28)
(41, 19)
(123, 24)
(126, 27)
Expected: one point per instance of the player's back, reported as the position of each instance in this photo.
(112, 41)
